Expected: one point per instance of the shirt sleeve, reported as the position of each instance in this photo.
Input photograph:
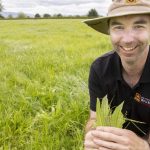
(96, 88)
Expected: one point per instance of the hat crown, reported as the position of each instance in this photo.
(129, 4)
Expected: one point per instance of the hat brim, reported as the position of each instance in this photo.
(101, 24)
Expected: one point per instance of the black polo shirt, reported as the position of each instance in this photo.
(106, 79)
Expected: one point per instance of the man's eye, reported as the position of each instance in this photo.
(118, 28)
(139, 26)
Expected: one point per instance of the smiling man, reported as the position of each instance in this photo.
(123, 75)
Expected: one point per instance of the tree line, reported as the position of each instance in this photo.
(91, 13)
(21, 15)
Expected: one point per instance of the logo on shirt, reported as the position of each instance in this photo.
(127, 1)
(131, 1)
(142, 99)
(137, 97)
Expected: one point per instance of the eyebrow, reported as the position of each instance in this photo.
(140, 22)
(114, 23)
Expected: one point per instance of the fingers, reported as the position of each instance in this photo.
(89, 135)
(109, 138)
(108, 145)
(90, 149)
(117, 135)
(113, 130)
(103, 148)
(90, 144)
(106, 136)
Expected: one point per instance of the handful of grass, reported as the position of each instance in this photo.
(105, 117)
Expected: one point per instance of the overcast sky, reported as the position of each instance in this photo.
(65, 7)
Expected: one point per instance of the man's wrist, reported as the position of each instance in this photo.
(147, 145)
(90, 124)
(146, 142)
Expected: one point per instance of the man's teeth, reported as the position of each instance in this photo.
(128, 49)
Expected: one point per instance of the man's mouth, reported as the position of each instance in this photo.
(128, 49)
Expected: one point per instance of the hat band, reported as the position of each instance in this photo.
(127, 10)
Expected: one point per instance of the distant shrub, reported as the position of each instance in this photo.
(37, 16)
(21, 15)
(46, 16)
(93, 13)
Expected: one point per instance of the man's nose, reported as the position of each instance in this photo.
(128, 37)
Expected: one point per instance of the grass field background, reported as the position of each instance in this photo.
(44, 67)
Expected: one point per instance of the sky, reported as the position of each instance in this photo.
(65, 7)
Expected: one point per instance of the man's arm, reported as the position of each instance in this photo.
(91, 121)
(88, 141)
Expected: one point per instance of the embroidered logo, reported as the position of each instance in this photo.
(142, 99)
(126, 1)
(137, 97)
(131, 1)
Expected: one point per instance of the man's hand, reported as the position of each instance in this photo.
(88, 143)
(111, 138)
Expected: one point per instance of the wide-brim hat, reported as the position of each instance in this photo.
(119, 8)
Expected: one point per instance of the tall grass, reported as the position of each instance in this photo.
(44, 102)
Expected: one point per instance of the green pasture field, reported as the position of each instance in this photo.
(44, 67)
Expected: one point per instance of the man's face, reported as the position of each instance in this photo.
(130, 36)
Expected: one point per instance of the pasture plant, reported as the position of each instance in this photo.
(44, 66)
(105, 116)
